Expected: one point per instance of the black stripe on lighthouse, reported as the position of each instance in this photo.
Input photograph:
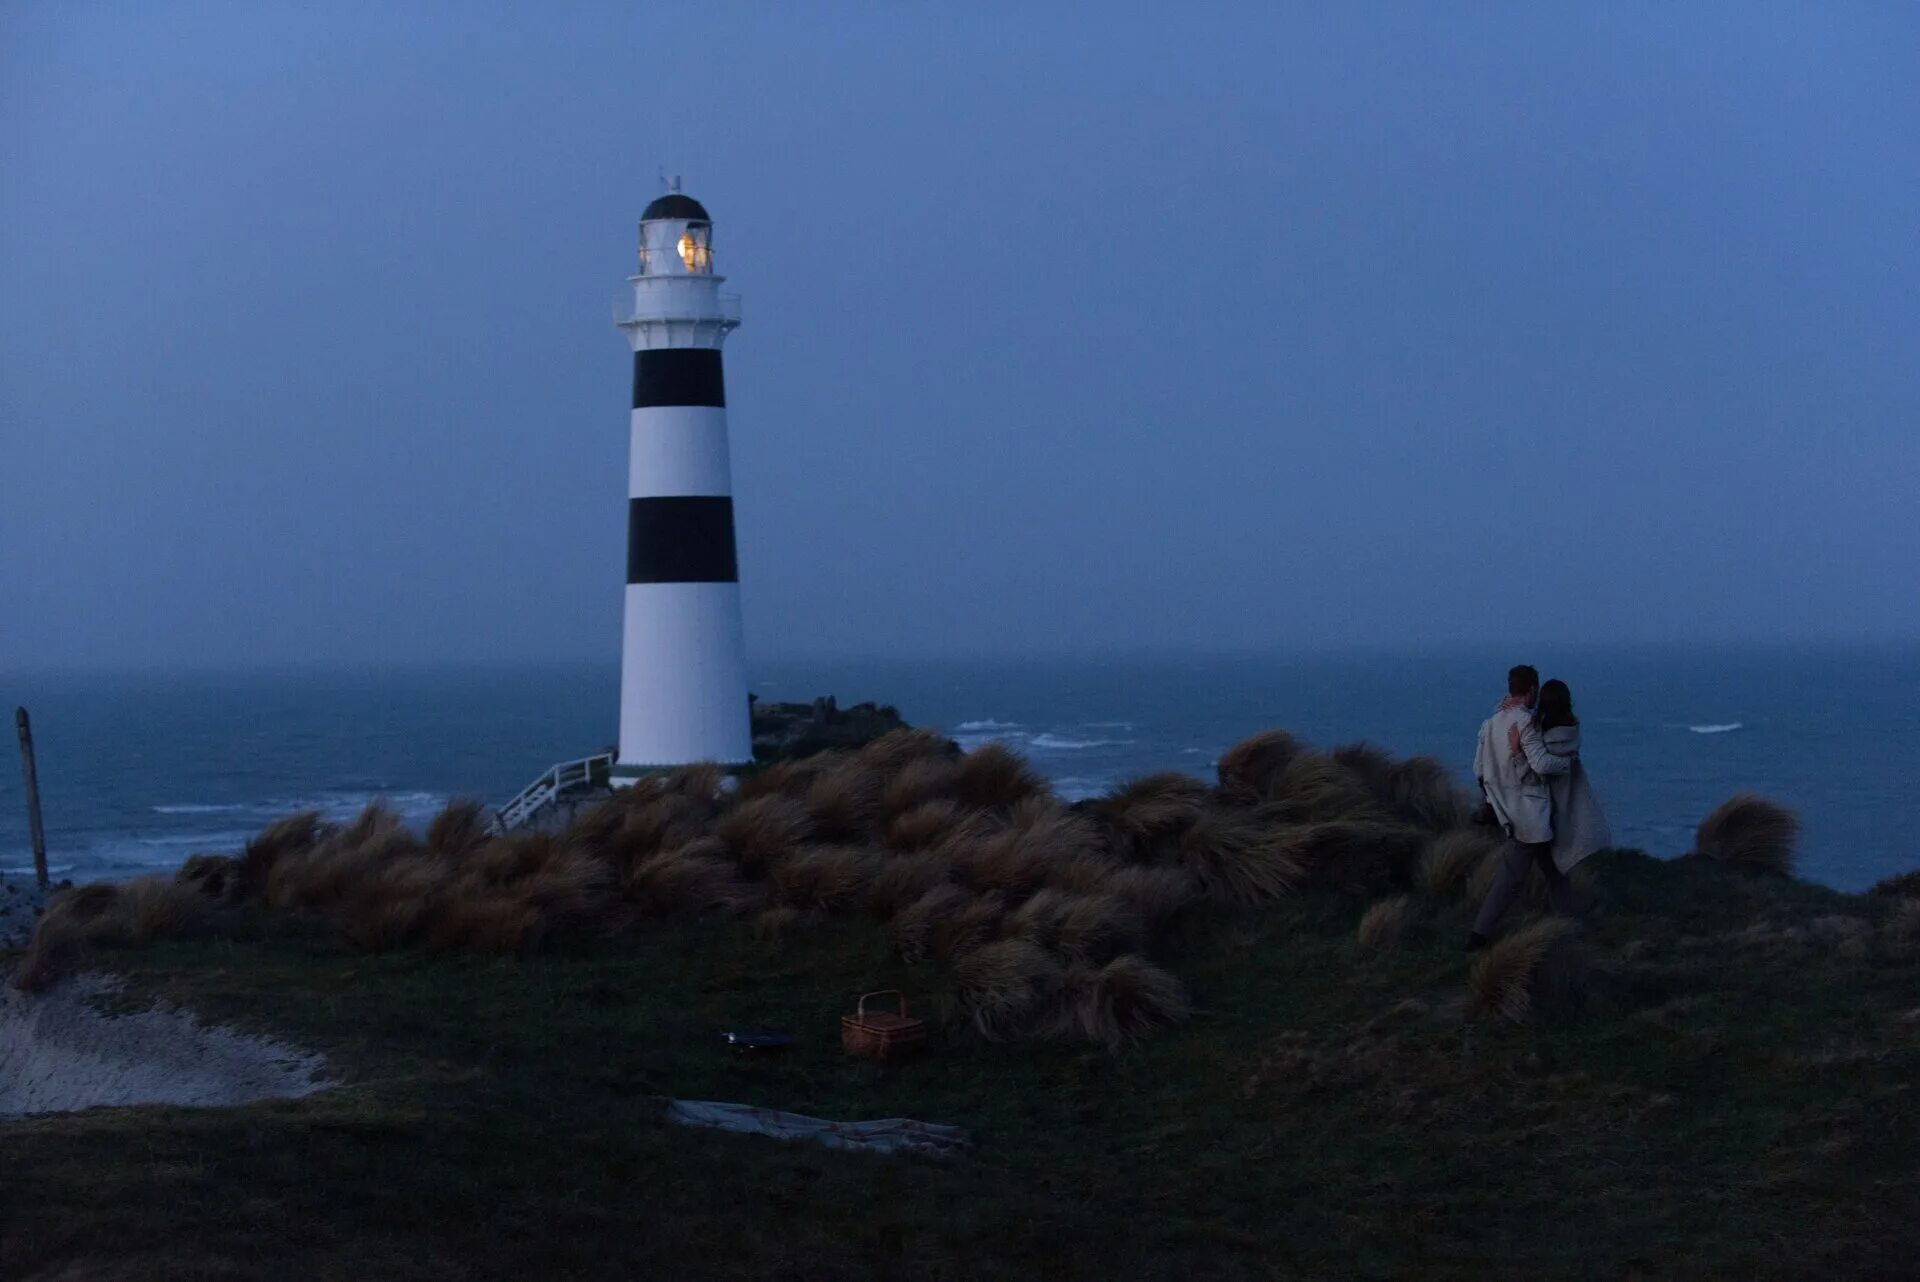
(678, 376)
(681, 540)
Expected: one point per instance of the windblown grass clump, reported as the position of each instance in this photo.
(1386, 923)
(1047, 915)
(1750, 833)
(1533, 968)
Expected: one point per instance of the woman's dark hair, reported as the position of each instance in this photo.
(1555, 707)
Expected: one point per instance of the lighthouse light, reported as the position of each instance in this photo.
(695, 254)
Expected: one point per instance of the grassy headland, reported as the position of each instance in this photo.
(1714, 1080)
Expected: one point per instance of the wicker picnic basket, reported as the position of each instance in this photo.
(874, 1035)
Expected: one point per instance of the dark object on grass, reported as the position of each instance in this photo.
(756, 1043)
(874, 1035)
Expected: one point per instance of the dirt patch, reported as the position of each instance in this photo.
(59, 1052)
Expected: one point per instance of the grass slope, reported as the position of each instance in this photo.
(1732, 1098)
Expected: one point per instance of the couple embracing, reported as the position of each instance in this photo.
(1528, 764)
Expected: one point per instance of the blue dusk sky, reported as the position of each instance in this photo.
(1068, 329)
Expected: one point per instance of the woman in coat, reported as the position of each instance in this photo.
(1550, 743)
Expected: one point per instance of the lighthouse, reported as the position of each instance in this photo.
(683, 672)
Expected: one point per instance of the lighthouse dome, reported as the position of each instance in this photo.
(675, 205)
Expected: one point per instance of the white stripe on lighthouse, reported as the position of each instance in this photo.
(679, 449)
(684, 679)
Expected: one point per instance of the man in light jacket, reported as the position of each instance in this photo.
(1521, 803)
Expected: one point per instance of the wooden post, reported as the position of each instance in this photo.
(33, 796)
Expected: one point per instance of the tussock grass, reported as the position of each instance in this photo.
(692, 879)
(1003, 987)
(156, 906)
(823, 877)
(901, 879)
(1452, 860)
(1234, 861)
(925, 825)
(1040, 837)
(1357, 857)
(992, 777)
(1247, 770)
(761, 830)
(1158, 895)
(1146, 817)
(1421, 791)
(215, 876)
(956, 854)
(1518, 970)
(1311, 788)
(1750, 833)
(894, 751)
(296, 834)
(844, 799)
(1387, 923)
(919, 782)
(464, 824)
(1087, 929)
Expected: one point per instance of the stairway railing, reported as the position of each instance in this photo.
(559, 780)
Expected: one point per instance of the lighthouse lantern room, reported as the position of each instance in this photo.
(683, 679)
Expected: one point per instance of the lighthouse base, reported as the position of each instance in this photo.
(683, 679)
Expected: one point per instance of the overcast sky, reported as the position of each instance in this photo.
(1175, 328)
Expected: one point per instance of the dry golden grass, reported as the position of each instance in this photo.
(992, 777)
(1451, 860)
(1040, 836)
(1750, 833)
(912, 926)
(1119, 1004)
(1421, 790)
(1311, 788)
(1355, 857)
(823, 877)
(460, 826)
(691, 879)
(901, 879)
(1157, 895)
(1146, 817)
(925, 825)
(760, 831)
(772, 925)
(844, 799)
(895, 750)
(392, 908)
(1248, 769)
(1234, 861)
(1508, 978)
(1003, 986)
(918, 782)
(295, 834)
(703, 784)
(782, 778)
(1387, 923)
(215, 876)
(1082, 874)
(156, 906)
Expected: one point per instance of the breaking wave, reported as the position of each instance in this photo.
(1716, 729)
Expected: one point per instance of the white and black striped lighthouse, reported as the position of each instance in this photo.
(683, 674)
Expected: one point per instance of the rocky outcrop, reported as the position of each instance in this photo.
(782, 731)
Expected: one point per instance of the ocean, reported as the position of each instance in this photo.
(138, 771)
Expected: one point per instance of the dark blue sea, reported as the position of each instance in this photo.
(139, 771)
